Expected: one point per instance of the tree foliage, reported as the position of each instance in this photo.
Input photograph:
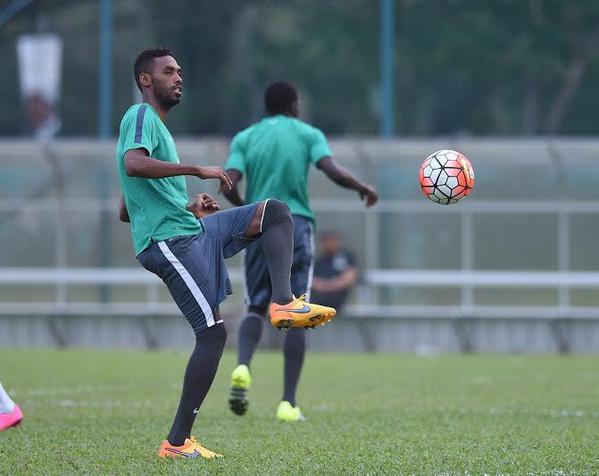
(462, 66)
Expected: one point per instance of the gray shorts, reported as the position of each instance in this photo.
(193, 267)
(258, 290)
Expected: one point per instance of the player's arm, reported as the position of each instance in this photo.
(343, 177)
(233, 193)
(138, 163)
(344, 281)
(123, 213)
(235, 167)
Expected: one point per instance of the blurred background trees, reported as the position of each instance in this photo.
(499, 67)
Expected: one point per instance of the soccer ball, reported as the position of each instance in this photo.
(446, 177)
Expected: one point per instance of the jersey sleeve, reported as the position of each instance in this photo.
(319, 147)
(236, 160)
(140, 132)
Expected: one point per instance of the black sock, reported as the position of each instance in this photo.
(294, 350)
(249, 335)
(277, 243)
(199, 375)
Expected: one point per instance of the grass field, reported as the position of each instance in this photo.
(106, 412)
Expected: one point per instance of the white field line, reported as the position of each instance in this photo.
(90, 404)
(78, 389)
(554, 413)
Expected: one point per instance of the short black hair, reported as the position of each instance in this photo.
(279, 96)
(145, 61)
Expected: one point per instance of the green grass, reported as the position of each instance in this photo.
(106, 412)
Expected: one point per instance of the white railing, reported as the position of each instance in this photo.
(62, 277)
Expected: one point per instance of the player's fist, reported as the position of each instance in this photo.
(203, 205)
(369, 195)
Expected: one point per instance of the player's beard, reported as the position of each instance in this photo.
(165, 97)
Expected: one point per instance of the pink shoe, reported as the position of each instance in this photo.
(8, 420)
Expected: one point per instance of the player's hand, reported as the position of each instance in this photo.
(369, 195)
(203, 205)
(215, 172)
(209, 203)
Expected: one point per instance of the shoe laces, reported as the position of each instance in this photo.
(203, 450)
(195, 442)
(302, 298)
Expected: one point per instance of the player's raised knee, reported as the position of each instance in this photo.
(276, 211)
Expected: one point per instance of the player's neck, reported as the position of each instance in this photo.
(286, 114)
(156, 106)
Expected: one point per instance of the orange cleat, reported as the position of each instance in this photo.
(299, 313)
(190, 449)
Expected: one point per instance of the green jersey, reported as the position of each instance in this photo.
(157, 207)
(275, 154)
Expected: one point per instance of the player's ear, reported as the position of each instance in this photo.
(145, 79)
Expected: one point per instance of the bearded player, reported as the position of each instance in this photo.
(185, 245)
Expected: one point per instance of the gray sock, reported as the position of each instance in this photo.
(200, 372)
(294, 350)
(248, 338)
(277, 243)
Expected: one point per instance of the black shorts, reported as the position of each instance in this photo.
(193, 267)
(257, 279)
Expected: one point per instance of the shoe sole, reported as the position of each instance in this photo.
(238, 397)
(291, 420)
(167, 454)
(12, 425)
(238, 401)
(310, 323)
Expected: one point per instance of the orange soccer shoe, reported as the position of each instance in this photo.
(190, 449)
(299, 313)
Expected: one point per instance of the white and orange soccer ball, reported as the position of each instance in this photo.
(446, 177)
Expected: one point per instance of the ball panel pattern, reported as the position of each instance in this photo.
(446, 177)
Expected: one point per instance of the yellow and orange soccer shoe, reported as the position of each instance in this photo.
(190, 449)
(299, 313)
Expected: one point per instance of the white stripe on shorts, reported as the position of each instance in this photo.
(263, 212)
(191, 284)
(311, 270)
(246, 291)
